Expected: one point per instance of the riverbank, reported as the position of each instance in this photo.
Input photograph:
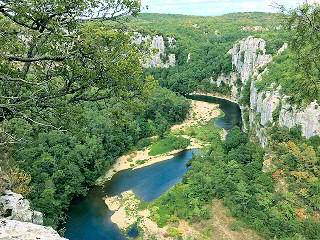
(127, 213)
(216, 95)
(200, 112)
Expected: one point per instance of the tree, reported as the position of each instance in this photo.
(52, 54)
(304, 25)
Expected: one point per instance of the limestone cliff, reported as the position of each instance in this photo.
(14, 207)
(18, 221)
(16, 230)
(248, 55)
(249, 59)
(159, 48)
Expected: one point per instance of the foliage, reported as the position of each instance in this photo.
(206, 132)
(50, 59)
(163, 101)
(303, 23)
(246, 117)
(73, 97)
(64, 164)
(293, 81)
(232, 172)
(276, 112)
(168, 144)
(245, 99)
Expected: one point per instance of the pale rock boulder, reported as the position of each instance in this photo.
(19, 222)
(16, 230)
(15, 207)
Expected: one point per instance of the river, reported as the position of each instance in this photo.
(89, 217)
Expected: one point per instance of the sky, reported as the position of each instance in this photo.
(216, 7)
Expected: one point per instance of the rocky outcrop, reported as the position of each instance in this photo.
(159, 50)
(16, 230)
(248, 55)
(254, 29)
(19, 222)
(14, 207)
(231, 80)
(249, 59)
(308, 118)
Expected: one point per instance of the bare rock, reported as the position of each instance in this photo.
(16, 207)
(16, 230)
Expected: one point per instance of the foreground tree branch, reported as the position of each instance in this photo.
(36, 59)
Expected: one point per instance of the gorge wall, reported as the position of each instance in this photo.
(18, 221)
(160, 50)
(250, 61)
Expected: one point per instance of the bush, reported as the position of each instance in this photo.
(206, 132)
(245, 100)
(168, 144)
(144, 142)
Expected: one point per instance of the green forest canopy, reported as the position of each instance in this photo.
(74, 97)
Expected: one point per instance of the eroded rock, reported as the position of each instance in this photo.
(16, 207)
(16, 230)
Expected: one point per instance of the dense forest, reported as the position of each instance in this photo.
(74, 97)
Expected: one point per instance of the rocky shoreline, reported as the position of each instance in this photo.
(126, 214)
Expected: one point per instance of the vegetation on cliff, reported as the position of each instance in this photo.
(202, 45)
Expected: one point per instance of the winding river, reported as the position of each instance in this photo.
(89, 217)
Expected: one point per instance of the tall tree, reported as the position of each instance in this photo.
(304, 24)
(54, 53)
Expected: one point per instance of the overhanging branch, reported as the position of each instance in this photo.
(35, 59)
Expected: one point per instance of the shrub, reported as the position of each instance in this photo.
(168, 144)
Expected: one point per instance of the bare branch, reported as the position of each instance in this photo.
(10, 79)
(42, 124)
(35, 59)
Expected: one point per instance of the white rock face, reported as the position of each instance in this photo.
(228, 79)
(247, 55)
(308, 118)
(254, 28)
(15, 207)
(19, 222)
(16, 230)
(284, 47)
(158, 49)
(264, 103)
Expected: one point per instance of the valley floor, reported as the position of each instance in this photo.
(127, 208)
(200, 112)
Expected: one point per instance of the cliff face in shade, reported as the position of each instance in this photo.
(248, 58)
(19, 222)
(159, 48)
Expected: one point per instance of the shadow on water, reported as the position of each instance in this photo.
(231, 110)
(89, 217)
(134, 231)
